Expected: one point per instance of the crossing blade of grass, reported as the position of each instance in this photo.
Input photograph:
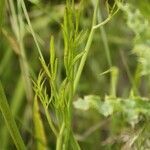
(9, 120)
(17, 98)
(11, 41)
(16, 103)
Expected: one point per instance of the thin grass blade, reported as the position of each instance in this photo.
(9, 120)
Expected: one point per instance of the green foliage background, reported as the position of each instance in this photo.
(111, 108)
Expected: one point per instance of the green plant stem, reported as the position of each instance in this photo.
(86, 51)
(69, 112)
(114, 79)
(137, 75)
(89, 42)
(102, 23)
(129, 73)
(50, 122)
(88, 45)
(60, 137)
(105, 40)
(76, 147)
(9, 120)
(83, 59)
(31, 28)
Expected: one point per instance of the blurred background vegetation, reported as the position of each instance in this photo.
(93, 130)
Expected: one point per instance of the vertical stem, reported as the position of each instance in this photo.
(83, 59)
(105, 40)
(60, 137)
(129, 73)
(50, 122)
(114, 79)
(87, 48)
(31, 28)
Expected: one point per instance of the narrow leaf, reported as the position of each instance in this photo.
(9, 120)
(38, 127)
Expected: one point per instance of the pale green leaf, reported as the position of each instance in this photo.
(81, 104)
(106, 108)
